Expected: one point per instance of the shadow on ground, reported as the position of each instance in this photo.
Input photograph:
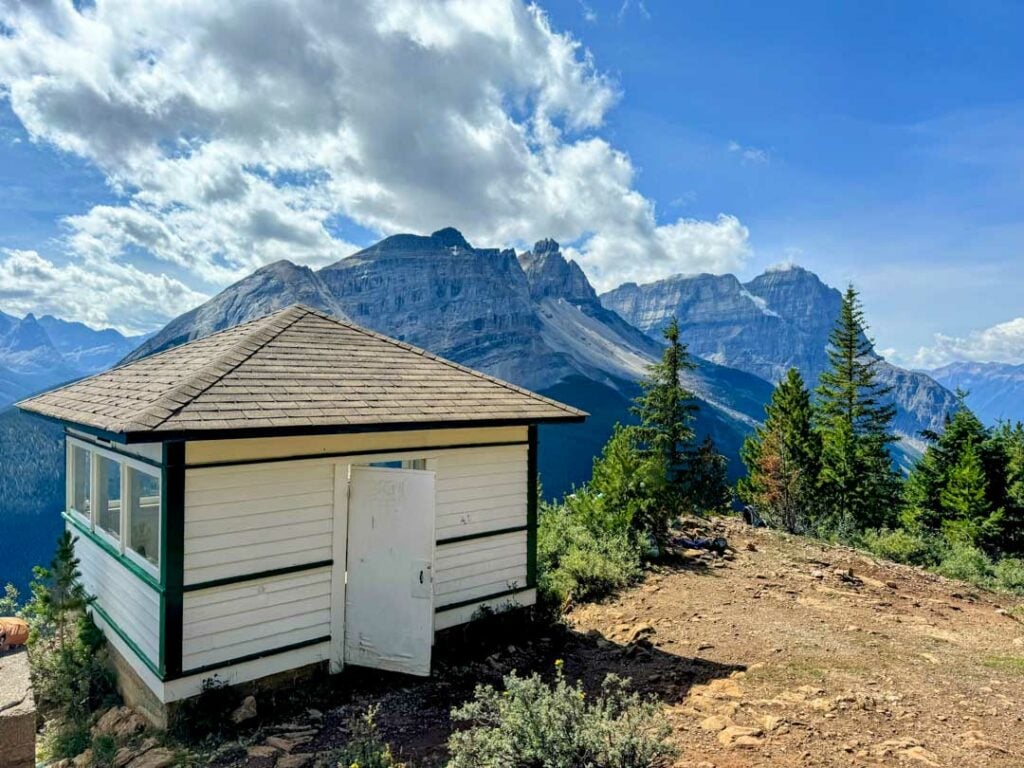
(414, 713)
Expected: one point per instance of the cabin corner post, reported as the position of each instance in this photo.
(173, 559)
(531, 507)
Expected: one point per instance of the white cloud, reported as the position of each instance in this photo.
(237, 133)
(1003, 343)
(750, 155)
(92, 292)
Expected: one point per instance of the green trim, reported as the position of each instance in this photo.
(227, 580)
(531, 508)
(113, 449)
(482, 535)
(342, 454)
(127, 640)
(254, 656)
(134, 568)
(172, 558)
(337, 429)
(481, 599)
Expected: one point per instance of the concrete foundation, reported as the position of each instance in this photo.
(138, 696)
(17, 711)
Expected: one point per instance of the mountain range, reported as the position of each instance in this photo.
(777, 321)
(36, 353)
(532, 318)
(995, 391)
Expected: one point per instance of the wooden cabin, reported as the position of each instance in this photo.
(295, 491)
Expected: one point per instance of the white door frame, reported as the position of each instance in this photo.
(339, 570)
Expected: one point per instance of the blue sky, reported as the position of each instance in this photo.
(874, 142)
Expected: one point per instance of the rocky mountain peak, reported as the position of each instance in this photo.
(551, 275)
(450, 237)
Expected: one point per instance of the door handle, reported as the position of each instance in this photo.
(421, 576)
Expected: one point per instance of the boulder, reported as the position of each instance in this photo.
(160, 757)
(246, 711)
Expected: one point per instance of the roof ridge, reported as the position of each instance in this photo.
(221, 365)
(433, 356)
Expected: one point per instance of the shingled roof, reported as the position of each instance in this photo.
(294, 371)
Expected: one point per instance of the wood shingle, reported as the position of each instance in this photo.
(293, 370)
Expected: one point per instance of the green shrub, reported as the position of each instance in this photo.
(902, 546)
(532, 724)
(104, 749)
(1009, 574)
(71, 676)
(577, 563)
(966, 563)
(9, 601)
(365, 747)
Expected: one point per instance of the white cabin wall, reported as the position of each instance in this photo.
(247, 518)
(240, 620)
(252, 518)
(131, 604)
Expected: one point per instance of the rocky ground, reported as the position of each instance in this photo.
(782, 652)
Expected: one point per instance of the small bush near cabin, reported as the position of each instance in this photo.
(365, 747)
(70, 674)
(532, 724)
(576, 563)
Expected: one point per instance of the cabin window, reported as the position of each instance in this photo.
(144, 515)
(400, 464)
(108, 496)
(81, 481)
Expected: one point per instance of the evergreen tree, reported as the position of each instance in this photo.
(854, 419)
(707, 479)
(782, 460)
(931, 474)
(665, 409)
(968, 516)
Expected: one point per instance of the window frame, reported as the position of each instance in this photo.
(129, 508)
(70, 469)
(119, 545)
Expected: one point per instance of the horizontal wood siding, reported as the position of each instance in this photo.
(236, 621)
(131, 604)
(480, 490)
(479, 567)
(242, 520)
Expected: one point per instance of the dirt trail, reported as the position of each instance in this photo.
(847, 661)
(785, 652)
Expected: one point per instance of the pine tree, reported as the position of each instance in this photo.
(931, 474)
(1007, 443)
(969, 517)
(782, 460)
(707, 479)
(854, 419)
(666, 409)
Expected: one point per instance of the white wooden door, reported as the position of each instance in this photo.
(389, 598)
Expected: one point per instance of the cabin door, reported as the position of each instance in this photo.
(389, 598)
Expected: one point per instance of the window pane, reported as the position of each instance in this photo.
(81, 477)
(144, 512)
(108, 512)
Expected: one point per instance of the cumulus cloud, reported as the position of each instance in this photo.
(236, 134)
(91, 292)
(1003, 343)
